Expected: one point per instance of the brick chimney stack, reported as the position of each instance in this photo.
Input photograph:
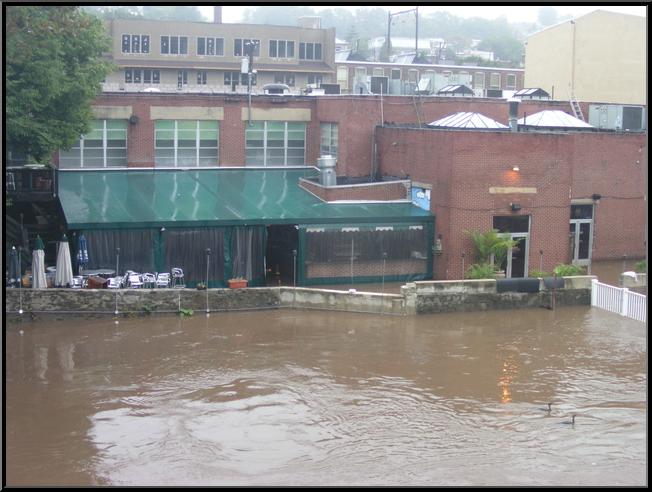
(217, 15)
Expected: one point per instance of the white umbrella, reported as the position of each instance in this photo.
(38, 265)
(63, 276)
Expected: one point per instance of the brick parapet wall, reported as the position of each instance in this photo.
(386, 191)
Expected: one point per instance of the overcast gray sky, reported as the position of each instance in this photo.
(516, 13)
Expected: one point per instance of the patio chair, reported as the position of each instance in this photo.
(135, 281)
(149, 280)
(115, 283)
(78, 282)
(162, 280)
(178, 280)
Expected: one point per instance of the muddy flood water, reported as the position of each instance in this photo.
(314, 398)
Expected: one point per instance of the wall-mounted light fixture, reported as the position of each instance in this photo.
(516, 168)
(133, 119)
(515, 207)
(596, 197)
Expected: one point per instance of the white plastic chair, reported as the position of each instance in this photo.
(135, 281)
(178, 280)
(115, 283)
(77, 282)
(149, 280)
(163, 280)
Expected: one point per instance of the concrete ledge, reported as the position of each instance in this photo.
(448, 286)
(631, 282)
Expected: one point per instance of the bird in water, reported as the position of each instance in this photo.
(571, 421)
(549, 409)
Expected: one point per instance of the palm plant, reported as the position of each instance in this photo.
(492, 246)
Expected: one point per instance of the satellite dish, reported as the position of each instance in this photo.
(360, 88)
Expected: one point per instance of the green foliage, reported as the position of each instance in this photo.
(186, 312)
(491, 243)
(563, 270)
(479, 271)
(114, 12)
(538, 274)
(147, 309)
(641, 267)
(53, 70)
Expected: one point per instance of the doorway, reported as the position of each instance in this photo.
(282, 240)
(518, 228)
(581, 234)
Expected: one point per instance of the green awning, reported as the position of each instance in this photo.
(210, 197)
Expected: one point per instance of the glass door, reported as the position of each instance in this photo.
(581, 234)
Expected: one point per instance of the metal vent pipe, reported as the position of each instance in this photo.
(326, 165)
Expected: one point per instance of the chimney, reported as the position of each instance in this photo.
(513, 114)
(326, 165)
(217, 14)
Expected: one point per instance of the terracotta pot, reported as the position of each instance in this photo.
(237, 284)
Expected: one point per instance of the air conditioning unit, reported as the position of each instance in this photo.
(331, 88)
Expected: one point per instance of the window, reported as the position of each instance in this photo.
(494, 81)
(284, 78)
(144, 75)
(478, 80)
(240, 47)
(237, 78)
(182, 77)
(378, 72)
(315, 79)
(135, 43)
(281, 49)
(343, 77)
(275, 143)
(413, 75)
(396, 74)
(105, 145)
(186, 143)
(511, 81)
(201, 77)
(328, 139)
(310, 51)
(174, 45)
(210, 46)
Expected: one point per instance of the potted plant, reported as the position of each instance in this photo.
(237, 283)
(201, 286)
(491, 248)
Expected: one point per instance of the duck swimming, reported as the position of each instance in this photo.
(571, 421)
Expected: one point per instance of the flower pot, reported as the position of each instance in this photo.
(237, 283)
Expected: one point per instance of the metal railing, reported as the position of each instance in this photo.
(619, 300)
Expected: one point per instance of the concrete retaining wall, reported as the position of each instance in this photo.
(415, 298)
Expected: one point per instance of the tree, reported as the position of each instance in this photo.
(547, 16)
(53, 70)
(114, 12)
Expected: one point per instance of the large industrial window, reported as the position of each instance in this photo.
(237, 78)
(310, 51)
(329, 138)
(281, 49)
(186, 143)
(239, 47)
(174, 45)
(275, 143)
(135, 43)
(104, 146)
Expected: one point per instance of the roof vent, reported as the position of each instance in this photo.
(326, 165)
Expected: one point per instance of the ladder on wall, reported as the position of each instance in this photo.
(577, 109)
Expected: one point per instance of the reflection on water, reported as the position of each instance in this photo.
(291, 397)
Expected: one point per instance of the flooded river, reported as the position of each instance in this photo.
(293, 397)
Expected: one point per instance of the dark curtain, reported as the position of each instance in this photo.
(248, 246)
(136, 249)
(186, 249)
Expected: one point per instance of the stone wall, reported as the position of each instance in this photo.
(415, 298)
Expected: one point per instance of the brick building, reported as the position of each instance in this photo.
(467, 173)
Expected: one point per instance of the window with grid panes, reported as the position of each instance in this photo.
(275, 143)
(105, 145)
(329, 138)
(186, 143)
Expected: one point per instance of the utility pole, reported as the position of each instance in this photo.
(389, 25)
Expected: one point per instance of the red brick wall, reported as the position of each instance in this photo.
(463, 165)
(380, 192)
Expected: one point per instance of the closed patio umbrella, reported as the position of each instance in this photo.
(82, 253)
(63, 276)
(14, 267)
(38, 265)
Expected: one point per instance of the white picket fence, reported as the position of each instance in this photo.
(619, 300)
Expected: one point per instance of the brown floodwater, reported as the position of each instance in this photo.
(287, 397)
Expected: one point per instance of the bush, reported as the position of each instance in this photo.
(491, 243)
(480, 271)
(538, 274)
(641, 267)
(563, 270)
